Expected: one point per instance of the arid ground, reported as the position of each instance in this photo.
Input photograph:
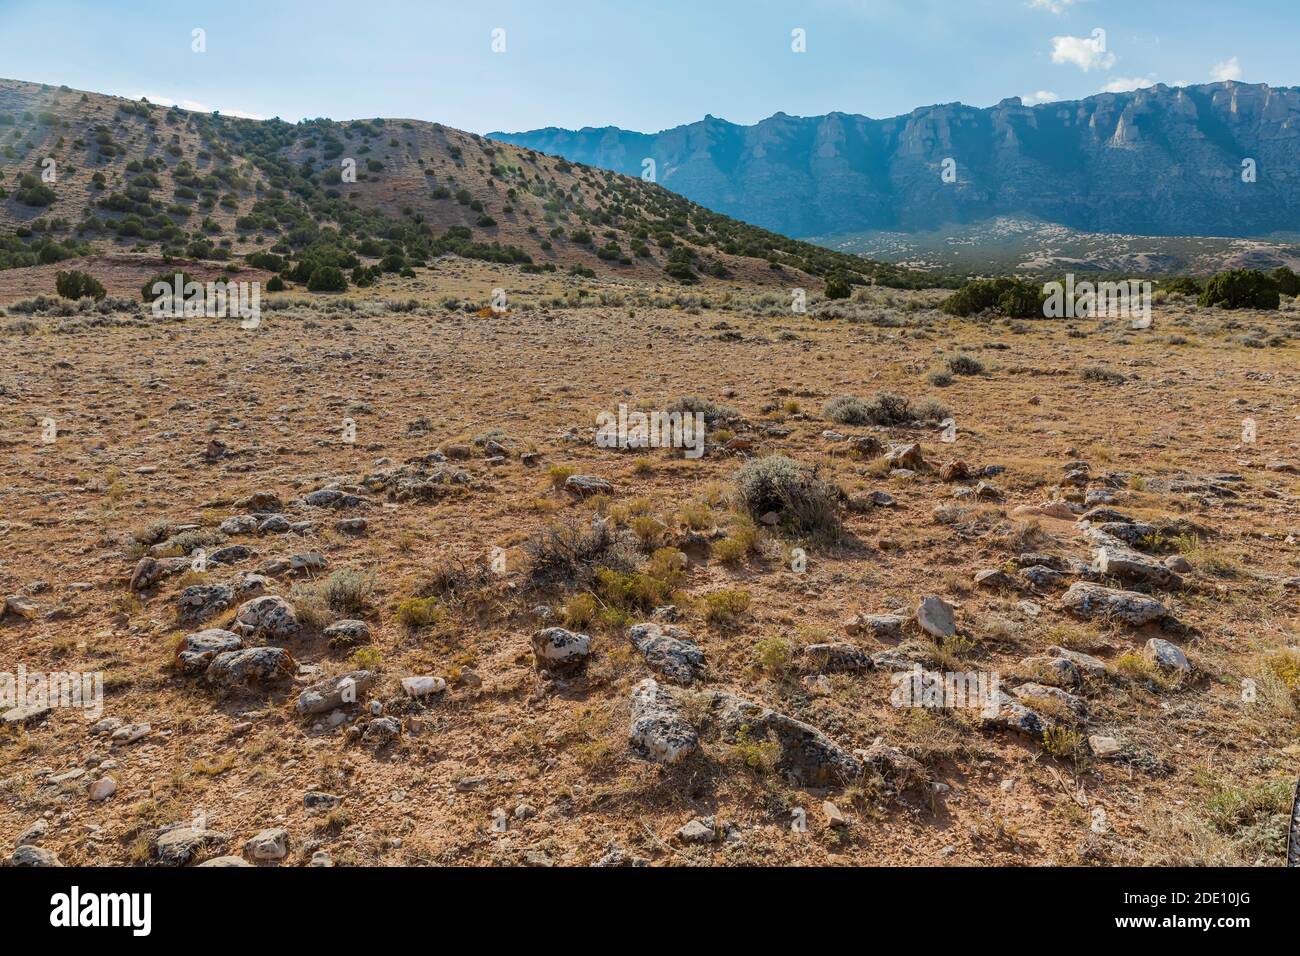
(166, 428)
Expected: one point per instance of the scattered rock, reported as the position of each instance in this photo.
(181, 843)
(250, 667)
(198, 602)
(699, 830)
(270, 844)
(879, 626)
(1095, 601)
(34, 856)
(669, 651)
(334, 692)
(836, 658)
(994, 579)
(1104, 747)
(200, 649)
(935, 616)
(806, 755)
(906, 456)
(659, 732)
(554, 649)
(1167, 656)
(267, 616)
(586, 485)
(381, 731)
(421, 687)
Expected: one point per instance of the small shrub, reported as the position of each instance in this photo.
(774, 654)
(758, 755)
(1183, 285)
(420, 612)
(1100, 373)
(965, 365)
(79, 285)
(803, 502)
(348, 591)
(367, 658)
(327, 279)
(837, 286)
(722, 608)
(568, 554)
(580, 611)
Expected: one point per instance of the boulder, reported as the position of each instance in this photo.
(180, 844)
(269, 616)
(1095, 601)
(1167, 656)
(198, 602)
(269, 844)
(200, 649)
(806, 755)
(555, 649)
(669, 651)
(586, 485)
(935, 616)
(658, 731)
(334, 692)
(250, 667)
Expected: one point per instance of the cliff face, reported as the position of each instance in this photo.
(1159, 161)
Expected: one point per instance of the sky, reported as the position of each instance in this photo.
(511, 65)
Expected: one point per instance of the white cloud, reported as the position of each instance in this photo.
(197, 107)
(1123, 84)
(1087, 53)
(1053, 6)
(1226, 70)
(1042, 96)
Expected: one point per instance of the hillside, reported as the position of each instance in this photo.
(1089, 164)
(135, 178)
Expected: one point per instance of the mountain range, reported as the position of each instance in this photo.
(1216, 159)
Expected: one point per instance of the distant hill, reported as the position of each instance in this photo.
(1008, 244)
(1160, 161)
(131, 177)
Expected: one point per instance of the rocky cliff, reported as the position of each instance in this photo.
(1158, 161)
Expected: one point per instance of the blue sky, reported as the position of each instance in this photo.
(638, 64)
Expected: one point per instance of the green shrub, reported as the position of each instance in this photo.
(1288, 283)
(837, 286)
(327, 279)
(1241, 289)
(419, 612)
(722, 608)
(79, 285)
(1183, 285)
(1013, 298)
(32, 192)
(146, 290)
